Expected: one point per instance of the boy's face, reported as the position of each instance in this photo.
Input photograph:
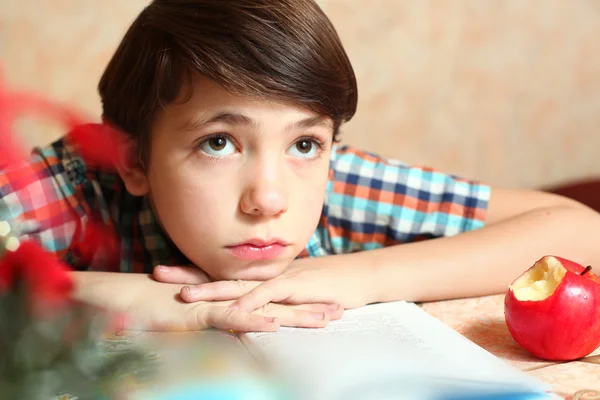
(238, 183)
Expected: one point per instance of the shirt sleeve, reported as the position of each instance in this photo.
(373, 202)
(45, 208)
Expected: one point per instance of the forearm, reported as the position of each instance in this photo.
(479, 262)
(148, 305)
(152, 305)
(115, 291)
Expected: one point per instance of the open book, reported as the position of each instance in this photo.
(382, 351)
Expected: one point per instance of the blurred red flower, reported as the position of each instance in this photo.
(46, 279)
(98, 239)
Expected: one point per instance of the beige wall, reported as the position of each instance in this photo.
(504, 91)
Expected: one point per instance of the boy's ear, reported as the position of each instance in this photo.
(131, 169)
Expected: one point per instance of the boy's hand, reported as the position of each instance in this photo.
(305, 282)
(158, 306)
(181, 275)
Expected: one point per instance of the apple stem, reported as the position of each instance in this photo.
(586, 270)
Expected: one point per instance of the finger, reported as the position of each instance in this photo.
(265, 293)
(226, 318)
(293, 317)
(333, 311)
(217, 291)
(182, 275)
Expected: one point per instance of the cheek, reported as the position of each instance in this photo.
(312, 193)
(309, 194)
(190, 203)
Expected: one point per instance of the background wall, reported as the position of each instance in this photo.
(504, 91)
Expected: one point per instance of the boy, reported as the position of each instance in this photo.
(232, 111)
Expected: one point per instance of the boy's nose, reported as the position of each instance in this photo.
(265, 196)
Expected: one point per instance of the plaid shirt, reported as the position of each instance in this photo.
(371, 202)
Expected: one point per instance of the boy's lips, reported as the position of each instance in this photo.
(258, 249)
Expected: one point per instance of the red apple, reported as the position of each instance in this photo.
(553, 309)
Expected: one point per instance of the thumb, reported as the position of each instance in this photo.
(180, 275)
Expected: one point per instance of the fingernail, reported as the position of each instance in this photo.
(192, 291)
(319, 315)
(234, 306)
(164, 269)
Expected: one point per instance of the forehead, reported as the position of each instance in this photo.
(205, 99)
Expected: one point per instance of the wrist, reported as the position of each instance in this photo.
(90, 287)
(110, 290)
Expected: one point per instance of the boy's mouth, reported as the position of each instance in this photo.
(258, 249)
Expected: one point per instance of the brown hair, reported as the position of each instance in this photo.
(278, 49)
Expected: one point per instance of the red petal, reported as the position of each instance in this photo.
(10, 152)
(47, 278)
(6, 276)
(97, 144)
(98, 239)
(14, 104)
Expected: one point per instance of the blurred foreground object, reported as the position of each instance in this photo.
(48, 341)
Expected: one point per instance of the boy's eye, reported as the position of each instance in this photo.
(304, 148)
(217, 146)
(217, 143)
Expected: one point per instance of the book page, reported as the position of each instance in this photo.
(390, 343)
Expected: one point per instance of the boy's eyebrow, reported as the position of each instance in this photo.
(231, 118)
(311, 122)
(224, 117)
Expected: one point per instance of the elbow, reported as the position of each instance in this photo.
(577, 206)
(571, 214)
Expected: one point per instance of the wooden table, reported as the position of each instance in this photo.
(481, 320)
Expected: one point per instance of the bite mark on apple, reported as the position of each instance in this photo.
(540, 282)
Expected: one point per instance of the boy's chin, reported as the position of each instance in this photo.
(255, 272)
